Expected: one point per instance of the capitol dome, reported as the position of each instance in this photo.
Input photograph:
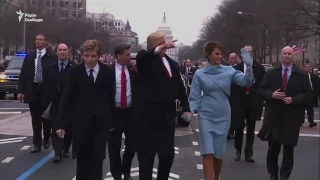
(165, 29)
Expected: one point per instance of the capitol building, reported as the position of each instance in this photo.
(166, 30)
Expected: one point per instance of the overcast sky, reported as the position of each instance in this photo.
(185, 17)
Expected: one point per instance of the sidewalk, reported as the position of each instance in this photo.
(17, 125)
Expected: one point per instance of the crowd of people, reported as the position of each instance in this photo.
(90, 105)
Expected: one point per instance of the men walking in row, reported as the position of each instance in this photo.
(31, 90)
(56, 75)
(247, 108)
(285, 89)
(123, 114)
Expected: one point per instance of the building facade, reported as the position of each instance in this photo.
(64, 9)
(117, 28)
(311, 54)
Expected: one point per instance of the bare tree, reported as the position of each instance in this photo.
(262, 24)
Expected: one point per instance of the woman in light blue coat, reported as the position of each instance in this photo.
(213, 107)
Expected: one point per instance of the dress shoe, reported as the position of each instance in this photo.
(283, 178)
(127, 177)
(238, 156)
(46, 144)
(313, 124)
(249, 159)
(36, 149)
(65, 154)
(56, 159)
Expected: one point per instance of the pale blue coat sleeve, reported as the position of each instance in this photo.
(243, 79)
(195, 93)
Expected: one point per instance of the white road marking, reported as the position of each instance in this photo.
(301, 134)
(195, 143)
(176, 152)
(25, 147)
(7, 160)
(176, 148)
(11, 139)
(8, 142)
(199, 166)
(11, 112)
(14, 108)
(197, 153)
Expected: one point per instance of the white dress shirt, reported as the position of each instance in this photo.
(310, 81)
(165, 61)
(95, 71)
(43, 52)
(118, 69)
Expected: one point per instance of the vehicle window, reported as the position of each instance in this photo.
(16, 62)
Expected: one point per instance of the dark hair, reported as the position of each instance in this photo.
(90, 45)
(120, 48)
(44, 36)
(210, 46)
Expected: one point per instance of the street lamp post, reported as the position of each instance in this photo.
(24, 27)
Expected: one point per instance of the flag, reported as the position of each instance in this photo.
(299, 50)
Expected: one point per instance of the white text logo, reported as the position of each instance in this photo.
(28, 17)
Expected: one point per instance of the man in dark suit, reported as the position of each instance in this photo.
(313, 97)
(158, 85)
(31, 91)
(123, 115)
(89, 94)
(246, 109)
(285, 89)
(56, 75)
(188, 71)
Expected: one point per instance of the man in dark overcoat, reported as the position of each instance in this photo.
(285, 90)
(246, 109)
(89, 94)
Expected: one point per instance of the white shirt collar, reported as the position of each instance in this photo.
(43, 52)
(118, 66)
(96, 68)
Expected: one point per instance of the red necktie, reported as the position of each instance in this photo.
(165, 67)
(123, 102)
(285, 80)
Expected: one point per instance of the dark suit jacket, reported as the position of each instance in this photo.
(54, 85)
(89, 101)
(27, 73)
(278, 115)
(153, 85)
(240, 101)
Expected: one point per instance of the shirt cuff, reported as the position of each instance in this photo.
(156, 51)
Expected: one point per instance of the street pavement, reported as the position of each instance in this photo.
(10, 107)
(17, 163)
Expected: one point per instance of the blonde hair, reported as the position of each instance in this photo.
(152, 38)
(90, 45)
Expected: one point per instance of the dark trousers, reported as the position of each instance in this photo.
(310, 113)
(89, 167)
(239, 128)
(124, 117)
(38, 123)
(272, 159)
(158, 141)
(59, 144)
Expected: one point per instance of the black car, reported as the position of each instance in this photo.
(10, 77)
